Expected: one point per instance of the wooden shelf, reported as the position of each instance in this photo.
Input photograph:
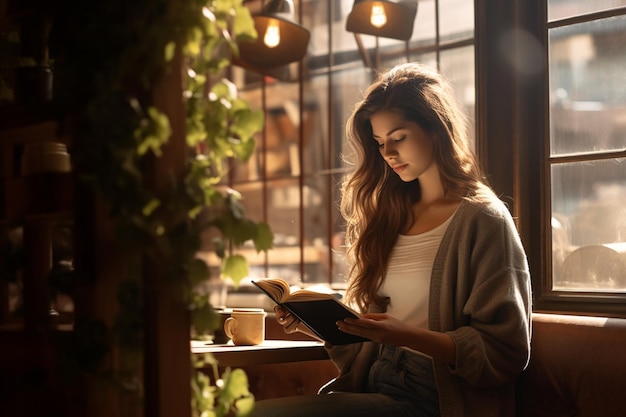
(18, 115)
(41, 196)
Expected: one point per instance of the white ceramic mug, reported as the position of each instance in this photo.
(246, 326)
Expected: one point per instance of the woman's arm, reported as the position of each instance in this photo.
(385, 329)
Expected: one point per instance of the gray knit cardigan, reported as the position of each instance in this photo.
(480, 295)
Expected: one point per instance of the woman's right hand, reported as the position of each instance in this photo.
(291, 324)
(286, 319)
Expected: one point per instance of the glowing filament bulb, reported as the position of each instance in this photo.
(272, 34)
(378, 18)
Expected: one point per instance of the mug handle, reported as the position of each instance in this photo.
(230, 327)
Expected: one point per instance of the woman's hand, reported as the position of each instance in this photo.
(381, 328)
(387, 330)
(291, 324)
(286, 319)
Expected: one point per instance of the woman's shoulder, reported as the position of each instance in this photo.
(488, 209)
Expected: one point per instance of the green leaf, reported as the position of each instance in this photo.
(248, 122)
(242, 231)
(235, 267)
(224, 89)
(243, 149)
(194, 42)
(244, 406)
(264, 239)
(150, 207)
(243, 24)
(204, 319)
(198, 271)
(220, 248)
(233, 203)
(237, 384)
(170, 49)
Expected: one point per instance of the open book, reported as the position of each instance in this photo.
(318, 311)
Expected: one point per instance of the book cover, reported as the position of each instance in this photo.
(320, 312)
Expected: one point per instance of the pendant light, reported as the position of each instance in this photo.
(280, 41)
(384, 18)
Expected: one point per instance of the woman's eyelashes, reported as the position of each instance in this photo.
(399, 139)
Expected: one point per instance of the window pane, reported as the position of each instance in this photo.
(588, 86)
(589, 225)
(458, 66)
(456, 20)
(283, 215)
(314, 130)
(559, 9)
(348, 86)
(318, 193)
(424, 30)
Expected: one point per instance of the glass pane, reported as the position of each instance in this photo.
(315, 156)
(347, 88)
(283, 215)
(456, 20)
(588, 86)
(589, 225)
(559, 9)
(281, 142)
(424, 30)
(282, 134)
(428, 58)
(327, 23)
(316, 198)
(458, 66)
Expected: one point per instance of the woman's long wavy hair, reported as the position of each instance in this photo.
(376, 203)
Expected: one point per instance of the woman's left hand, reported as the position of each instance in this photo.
(381, 328)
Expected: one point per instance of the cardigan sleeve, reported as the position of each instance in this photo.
(490, 320)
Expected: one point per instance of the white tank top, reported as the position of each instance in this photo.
(407, 281)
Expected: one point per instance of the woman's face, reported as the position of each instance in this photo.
(403, 144)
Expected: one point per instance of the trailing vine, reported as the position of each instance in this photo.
(108, 56)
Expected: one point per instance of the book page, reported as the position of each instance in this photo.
(306, 295)
(277, 289)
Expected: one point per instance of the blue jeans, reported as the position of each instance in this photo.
(401, 384)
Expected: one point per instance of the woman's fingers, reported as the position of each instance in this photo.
(281, 314)
(292, 326)
(286, 319)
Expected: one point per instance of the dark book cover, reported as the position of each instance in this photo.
(321, 316)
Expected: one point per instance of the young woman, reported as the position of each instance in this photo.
(437, 267)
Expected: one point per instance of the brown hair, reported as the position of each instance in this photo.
(375, 201)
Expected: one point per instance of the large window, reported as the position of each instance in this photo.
(550, 121)
(586, 156)
(292, 180)
(550, 112)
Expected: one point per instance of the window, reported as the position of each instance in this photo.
(586, 156)
(292, 180)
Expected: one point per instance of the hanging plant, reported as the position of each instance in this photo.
(108, 56)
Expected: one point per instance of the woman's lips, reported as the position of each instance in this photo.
(399, 168)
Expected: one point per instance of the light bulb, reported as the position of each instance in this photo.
(272, 34)
(378, 18)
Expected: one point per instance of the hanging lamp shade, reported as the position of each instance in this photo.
(281, 40)
(384, 18)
